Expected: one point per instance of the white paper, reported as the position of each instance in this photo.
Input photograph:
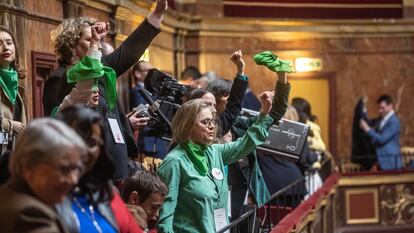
(229, 204)
(116, 131)
(220, 219)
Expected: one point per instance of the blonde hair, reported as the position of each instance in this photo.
(65, 37)
(41, 141)
(185, 118)
(291, 114)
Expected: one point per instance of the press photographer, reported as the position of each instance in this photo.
(156, 97)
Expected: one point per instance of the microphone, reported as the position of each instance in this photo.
(154, 105)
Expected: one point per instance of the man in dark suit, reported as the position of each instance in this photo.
(139, 72)
(386, 138)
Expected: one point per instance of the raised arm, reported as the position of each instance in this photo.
(280, 99)
(155, 17)
(256, 134)
(237, 92)
(135, 44)
(84, 91)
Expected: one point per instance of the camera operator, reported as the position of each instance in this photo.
(148, 145)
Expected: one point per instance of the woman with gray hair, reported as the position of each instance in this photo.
(45, 165)
(194, 169)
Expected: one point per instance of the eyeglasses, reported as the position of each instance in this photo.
(67, 169)
(208, 121)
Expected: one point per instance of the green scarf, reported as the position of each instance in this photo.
(272, 62)
(89, 68)
(196, 154)
(9, 82)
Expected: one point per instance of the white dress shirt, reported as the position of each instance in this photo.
(385, 119)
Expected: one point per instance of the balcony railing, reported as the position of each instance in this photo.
(280, 204)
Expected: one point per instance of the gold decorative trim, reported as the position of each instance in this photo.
(310, 217)
(14, 10)
(126, 14)
(120, 37)
(97, 5)
(186, 1)
(311, 5)
(408, 2)
(376, 180)
(375, 219)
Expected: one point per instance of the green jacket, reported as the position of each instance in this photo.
(192, 198)
(252, 173)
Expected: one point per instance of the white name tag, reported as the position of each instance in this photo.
(220, 219)
(4, 138)
(116, 131)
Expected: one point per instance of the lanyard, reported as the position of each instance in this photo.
(214, 180)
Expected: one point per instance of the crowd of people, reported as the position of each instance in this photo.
(82, 167)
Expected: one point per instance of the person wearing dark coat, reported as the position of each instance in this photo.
(120, 60)
(44, 167)
(247, 175)
(148, 145)
(51, 88)
(363, 152)
(250, 101)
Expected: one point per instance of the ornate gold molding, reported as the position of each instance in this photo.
(20, 11)
(376, 179)
(98, 5)
(397, 204)
(127, 14)
(276, 30)
(311, 5)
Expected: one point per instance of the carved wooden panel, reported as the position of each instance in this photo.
(42, 64)
(361, 205)
(397, 204)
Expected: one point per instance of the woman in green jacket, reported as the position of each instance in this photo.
(194, 169)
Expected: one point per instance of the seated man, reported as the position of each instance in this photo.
(146, 190)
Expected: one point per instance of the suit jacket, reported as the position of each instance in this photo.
(387, 144)
(136, 97)
(22, 212)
